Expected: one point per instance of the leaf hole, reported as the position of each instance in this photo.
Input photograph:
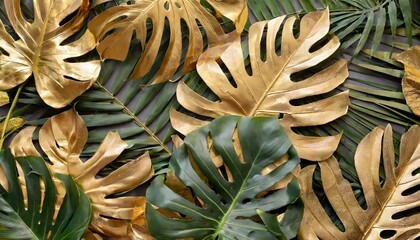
(27, 10)
(203, 34)
(411, 190)
(227, 73)
(387, 233)
(166, 5)
(246, 200)
(406, 213)
(322, 198)
(415, 172)
(3, 52)
(178, 5)
(68, 18)
(263, 46)
(320, 44)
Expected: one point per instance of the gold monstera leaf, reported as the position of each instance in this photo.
(41, 50)
(114, 29)
(411, 80)
(391, 204)
(269, 89)
(62, 139)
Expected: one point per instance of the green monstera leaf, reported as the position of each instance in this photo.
(31, 214)
(226, 199)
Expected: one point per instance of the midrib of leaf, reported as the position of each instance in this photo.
(39, 42)
(378, 215)
(280, 72)
(23, 222)
(136, 120)
(235, 201)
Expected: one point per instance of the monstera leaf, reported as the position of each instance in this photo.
(122, 21)
(225, 205)
(62, 139)
(269, 90)
(392, 203)
(30, 214)
(411, 80)
(42, 50)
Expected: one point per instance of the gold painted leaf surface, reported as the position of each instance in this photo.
(4, 98)
(62, 139)
(411, 80)
(269, 90)
(122, 21)
(40, 50)
(389, 202)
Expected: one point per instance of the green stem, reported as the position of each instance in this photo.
(9, 114)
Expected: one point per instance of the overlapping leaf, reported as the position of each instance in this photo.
(392, 203)
(352, 21)
(145, 16)
(269, 90)
(42, 50)
(62, 139)
(411, 80)
(28, 212)
(226, 201)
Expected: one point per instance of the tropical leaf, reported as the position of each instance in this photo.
(43, 50)
(269, 90)
(352, 21)
(62, 139)
(156, 17)
(392, 203)
(411, 80)
(226, 204)
(30, 214)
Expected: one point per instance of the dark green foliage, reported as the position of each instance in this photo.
(36, 221)
(229, 205)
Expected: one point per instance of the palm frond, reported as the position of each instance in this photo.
(351, 21)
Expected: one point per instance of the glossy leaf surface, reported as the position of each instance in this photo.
(62, 139)
(161, 17)
(392, 204)
(227, 204)
(29, 214)
(269, 90)
(43, 50)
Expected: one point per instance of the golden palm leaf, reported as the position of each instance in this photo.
(270, 88)
(391, 203)
(62, 139)
(411, 81)
(122, 21)
(41, 50)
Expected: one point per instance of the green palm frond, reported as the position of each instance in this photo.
(352, 21)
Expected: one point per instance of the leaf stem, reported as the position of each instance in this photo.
(9, 114)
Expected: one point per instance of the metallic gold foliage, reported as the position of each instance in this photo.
(62, 139)
(124, 20)
(4, 98)
(389, 201)
(41, 51)
(269, 89)
(411, 80)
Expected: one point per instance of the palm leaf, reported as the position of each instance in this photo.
(348, 18)
(30, 214)
(392, 204)
(62, 139)
(270, 89)
(262, 142)
(150, 19)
